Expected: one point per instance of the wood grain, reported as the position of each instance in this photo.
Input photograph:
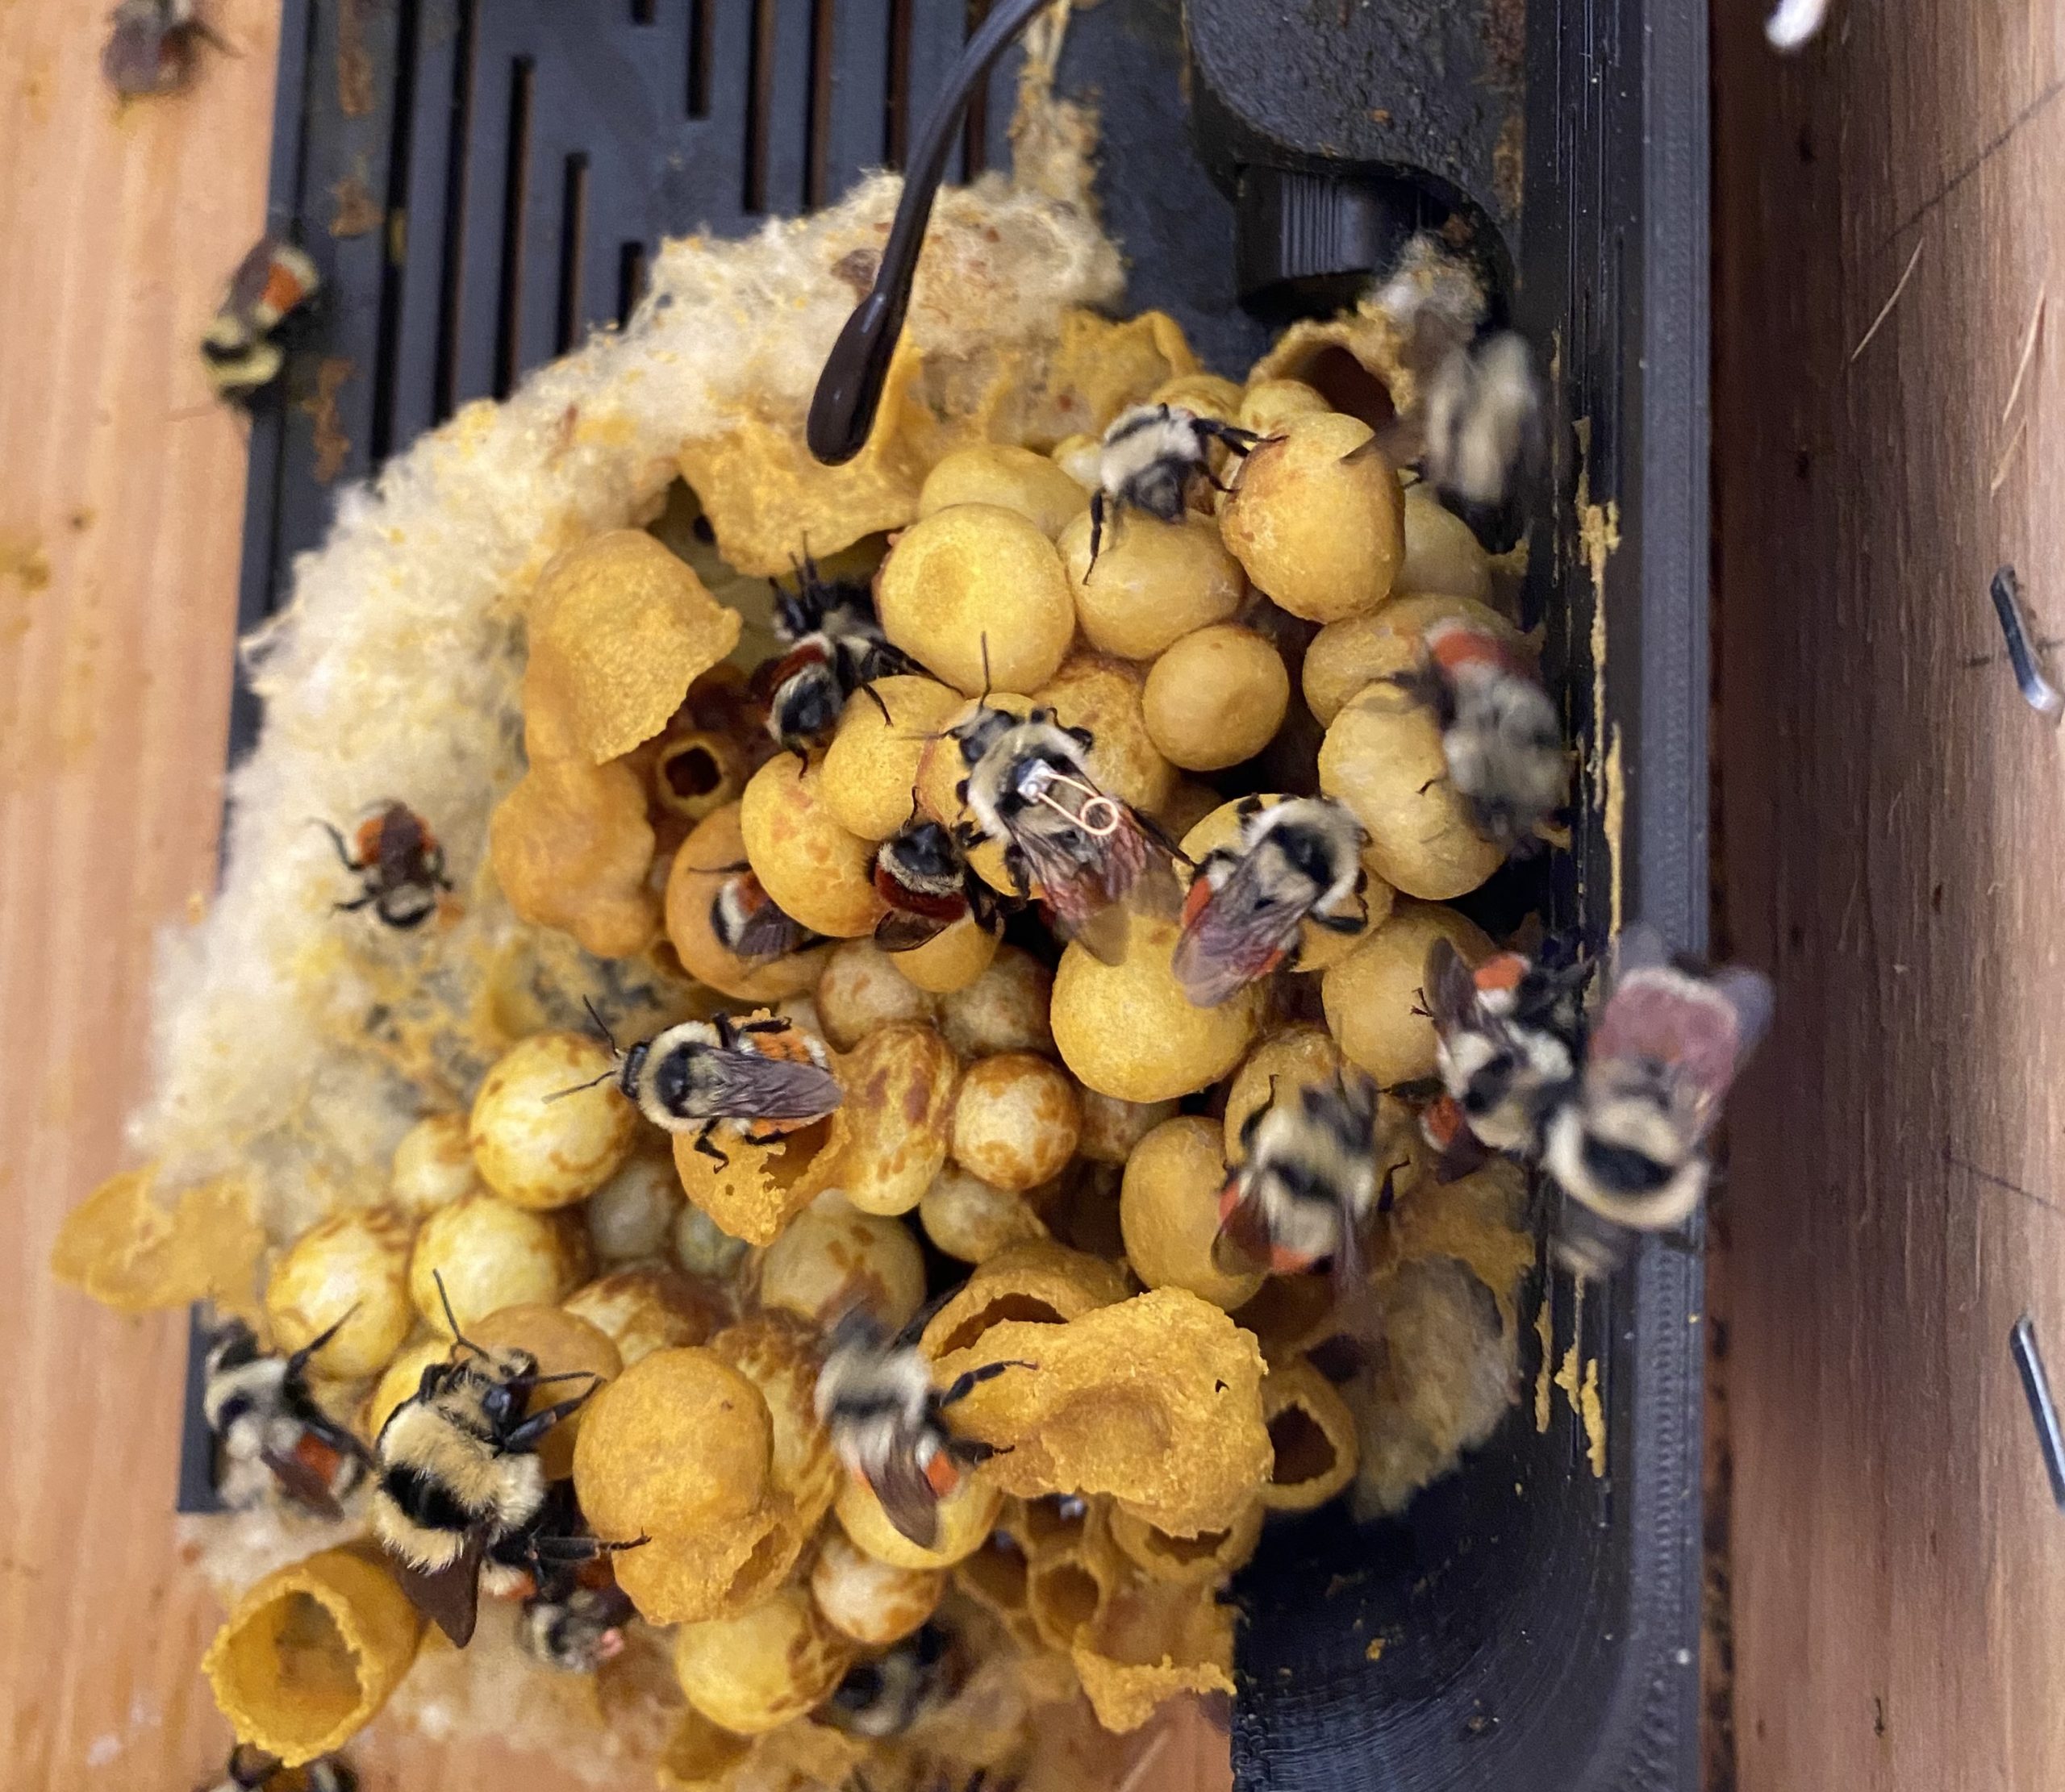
(120, 529)
(1891, 813)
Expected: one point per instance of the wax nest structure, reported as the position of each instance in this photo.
(538, 630)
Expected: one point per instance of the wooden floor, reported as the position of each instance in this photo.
(1891, 844)
(1893, 821)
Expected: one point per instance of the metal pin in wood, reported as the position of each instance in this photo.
(2038, 691)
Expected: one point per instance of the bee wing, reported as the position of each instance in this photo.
(1702, 1027)
(305, 1483)
(1450, 990)
(450, 1596)
(768, 933)
(1086, 895)
(1238, 934)
(902, 930)
(1242, 1245)
(744, 1086)
(906, 1497)
(137, 59)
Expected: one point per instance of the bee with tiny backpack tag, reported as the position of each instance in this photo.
(1087, 856)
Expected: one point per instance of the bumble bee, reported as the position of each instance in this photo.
(1151, 457)
(747, 924)
(875, 1396)
(1624, 1144)
(573, 1628)
(1309, 1185)
(399, 865)
(250, 1769)
(1506, 1042)
(1029, 785)
(757, 1079)
(1500, 737)
(915, 1678)
(925, 878)
(1299, 860)
(241, 350)
(1483, 409)
(834, 648)
(459, 1486)
(269, 1430)
(150, 46)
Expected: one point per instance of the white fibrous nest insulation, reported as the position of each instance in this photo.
(294, 1046)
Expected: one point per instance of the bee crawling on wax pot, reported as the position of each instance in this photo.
(1310, 1183)
(875, 1396)
(459, 1489)
(1151, 458)
(755, 1079)
(269, 1433)
(747, 924)
(923, 876)
(1624, 1144)
(1507, 1043)
(398, 863)
(1292, 862)
(910, 1680)
(1501, 736)
(251, 1769)
(833, 647)
(1085, 854)
(572, 1625)
(150, 46)
(242, 348)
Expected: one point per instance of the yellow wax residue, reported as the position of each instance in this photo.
(1615, 782)
(1594, 1416)
(1376, 1651)
(1545, 1330)
(1567, 1372)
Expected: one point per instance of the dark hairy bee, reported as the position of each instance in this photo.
(833, 647)
(251, 1769)
(1506, 1041)
(399, 865)
(756, 1079)
(875, 1396)
(458, 1484)
(1152, 457)
(1297, 861)
(1624, 1144)
(915, 1678)
(574, 1627)
(1028, 785)
(269, 1430)
(925, 878)
(1501, 736)
(747, 924)
(150, 46)
(1309, 1185)
(241, 349)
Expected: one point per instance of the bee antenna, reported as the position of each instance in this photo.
(603, 1027)
(560, 1094)
(984, 698)
(444, 1300)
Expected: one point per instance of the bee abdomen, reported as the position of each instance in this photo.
(424, 1500)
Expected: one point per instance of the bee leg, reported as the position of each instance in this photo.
(369, 898)
(728, 1031)
(875, 697)
(532, 1430)
(1339, 924)
(433, 866)
(768, 1026)
(967, 1384)
(337, 840)
(1096, 531)
(703, 1144)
